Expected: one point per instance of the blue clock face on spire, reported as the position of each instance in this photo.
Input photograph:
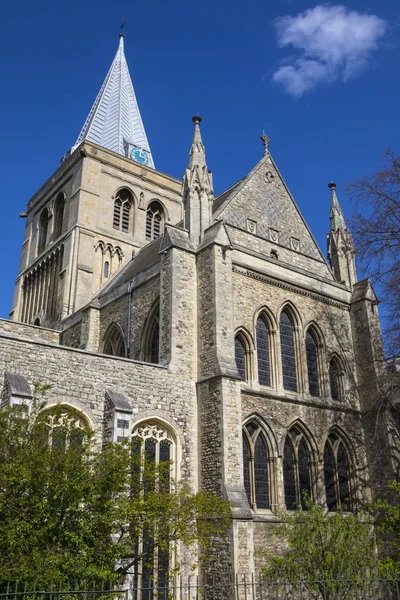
(140, 156)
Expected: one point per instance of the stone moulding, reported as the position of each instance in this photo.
(286, 286)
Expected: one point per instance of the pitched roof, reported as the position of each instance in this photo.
(114, 119)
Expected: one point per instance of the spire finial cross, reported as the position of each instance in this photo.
(121, 27)
(265, 140)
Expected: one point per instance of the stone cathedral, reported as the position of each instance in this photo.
(211, 327)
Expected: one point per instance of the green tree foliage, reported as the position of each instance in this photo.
(70, 511)
(328, 551)
(387, 514)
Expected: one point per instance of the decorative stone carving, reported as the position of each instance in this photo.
(295, 244)
(269, 177)
(273, 235)
(251, 226)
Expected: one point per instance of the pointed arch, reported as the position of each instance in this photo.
(244, 350)
(314, 359)
(59, 208)
(150, 347)
(123, 210)
(338, 467)
(287, 325)
(155, 220)
(265, 329)
(336, 378)
(259, 460)
(114, 341)
(43, 229)
(64, 425)
(299, 454)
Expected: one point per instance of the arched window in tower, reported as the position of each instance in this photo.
(154, 221)
(312, 364)
(155, 445)
(336, 474)
(256, 466)
(123, 211)
(240, 357)
(114, 343)
(296, 469)
(263, 352)
(335, 379)
(58, 215)
(289, 375)
(43, 227)
(151, 337)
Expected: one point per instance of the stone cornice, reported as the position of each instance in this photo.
(289, 287)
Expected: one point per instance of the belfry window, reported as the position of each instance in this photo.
(296, 470)
(263, 352)
(43, 228)
(154, 221)
(336, 474)
(59, 215)
(312, 364)
(123, 211)
(256, 466)
(289, 375)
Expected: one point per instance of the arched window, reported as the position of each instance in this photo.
(151, 336)
(154, 221)
(156, 444)
(58, 215)
(336, 474)
(256, 467)
(123, 211)
(289, 375)
(240, 357)
(114, 343)
(335, 379)
(296, 469)
(43, 227)
(263, 352)
(312, 364)
(63, 427)
(106, 269)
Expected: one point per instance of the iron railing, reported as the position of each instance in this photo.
(239, 588)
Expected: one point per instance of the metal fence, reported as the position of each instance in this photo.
(239, 588)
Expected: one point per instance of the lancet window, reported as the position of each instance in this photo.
(336, 379)
(114, 343)
(154, 221)
(288, 355)
(336, 474)
(263, 351)
(59, 206)
(151, 337)
(296, 469)
(43, 228)
(312, 364)
(123, 211)
(240, 356)
(257, 464)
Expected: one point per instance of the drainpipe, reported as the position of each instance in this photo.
(130, 292)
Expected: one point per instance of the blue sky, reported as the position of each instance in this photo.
(322, 80)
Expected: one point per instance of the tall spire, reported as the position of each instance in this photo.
(341, 251)
(114, 120)
(197, 188)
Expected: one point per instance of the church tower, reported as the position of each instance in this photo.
(104, 203)
(341, 251)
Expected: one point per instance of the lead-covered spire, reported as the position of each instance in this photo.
(114, 120)
(197, 188)
(341, 251)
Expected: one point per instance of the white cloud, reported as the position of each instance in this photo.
(333, 43)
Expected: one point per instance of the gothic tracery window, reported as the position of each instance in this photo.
(256, 466)
(336, 474)
(114, 343)
(296, 469)
(63, 427)
(156, 444)
(288, 356)
(154, 221)
(263, 351)
(123, 211)
(312, 364)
